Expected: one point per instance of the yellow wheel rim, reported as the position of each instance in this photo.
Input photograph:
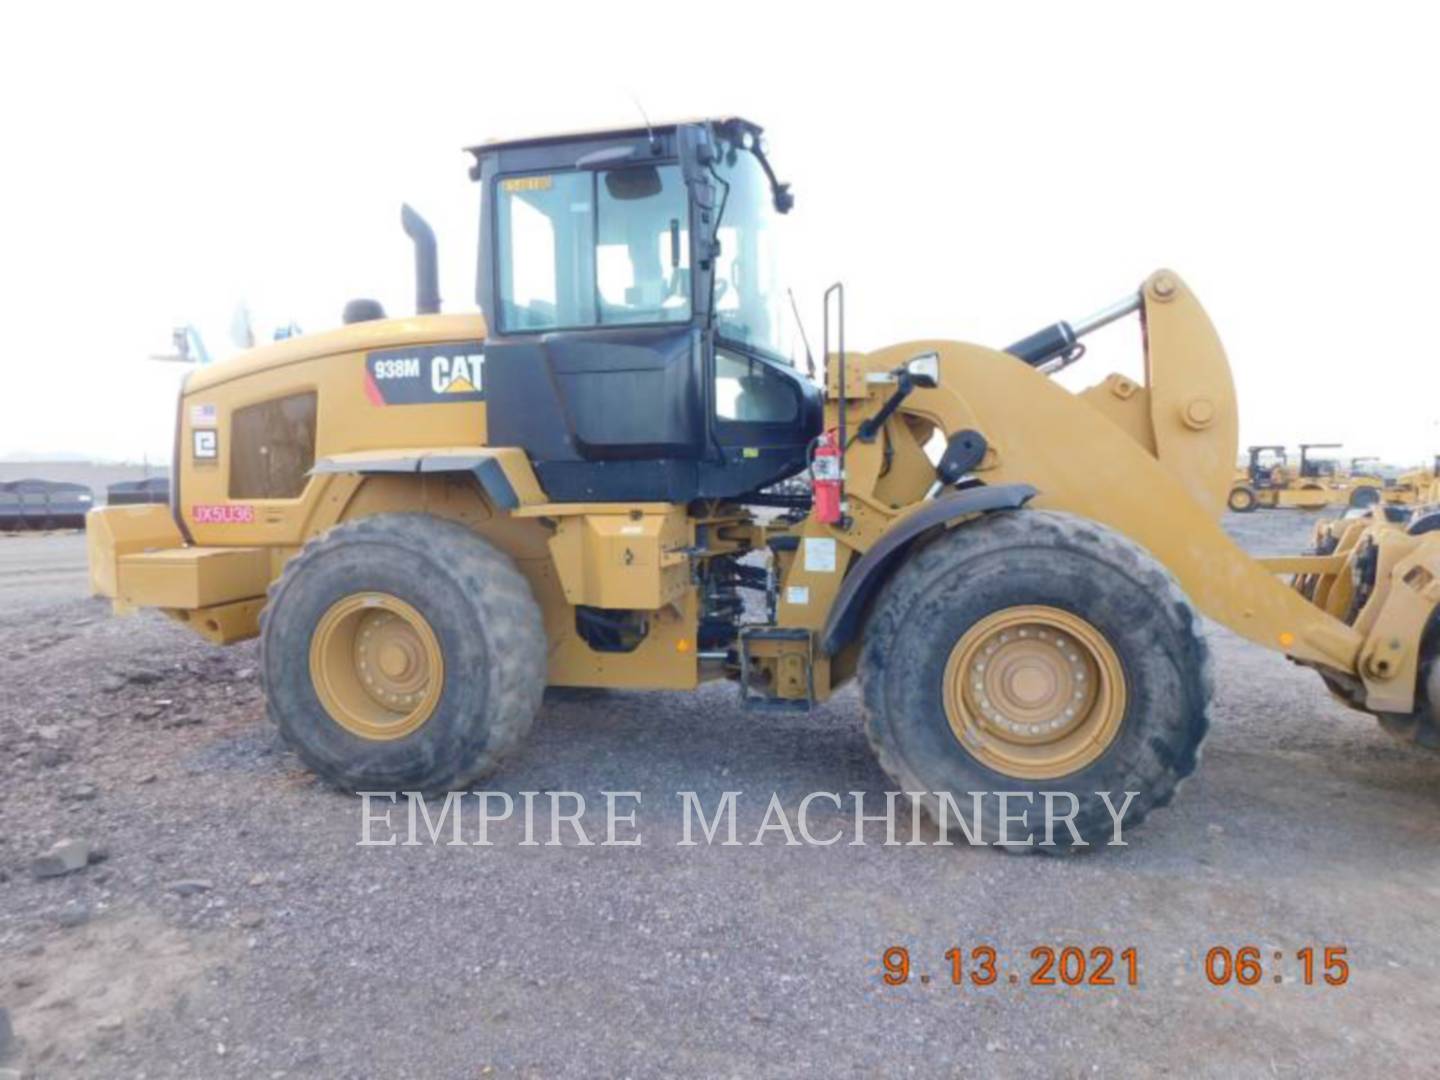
(1034, 692)
(376, 665)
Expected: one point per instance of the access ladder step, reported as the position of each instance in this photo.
(767, 698)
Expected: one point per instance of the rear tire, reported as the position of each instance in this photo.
(1035, 560)
(1242, 500)
(474, 618)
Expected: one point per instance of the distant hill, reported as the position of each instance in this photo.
(30, 455)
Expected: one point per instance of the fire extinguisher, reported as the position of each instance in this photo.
(825, 474)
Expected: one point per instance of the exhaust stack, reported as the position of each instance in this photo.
(427, 277)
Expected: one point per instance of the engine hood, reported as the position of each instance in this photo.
(357, 337)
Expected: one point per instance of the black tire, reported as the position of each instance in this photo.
(1057, 560)
(490, 632)
(1363, 498)
(1242, 500)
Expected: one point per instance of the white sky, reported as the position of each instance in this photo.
(970, 171)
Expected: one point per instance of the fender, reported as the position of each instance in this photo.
(504, 472)
(875, 566)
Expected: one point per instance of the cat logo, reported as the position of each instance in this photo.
(456, 374)
(426, 374)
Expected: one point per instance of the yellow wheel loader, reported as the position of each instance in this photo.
(428, 519)
(1268, 482)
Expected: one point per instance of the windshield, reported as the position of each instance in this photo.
(593, 248)
(751, 304)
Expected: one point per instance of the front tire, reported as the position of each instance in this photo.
(987, 635)
(402, 652)
(1242, 500)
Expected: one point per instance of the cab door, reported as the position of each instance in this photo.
(597, 369)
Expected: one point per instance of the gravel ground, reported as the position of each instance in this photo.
(39, 571)
(228, 925)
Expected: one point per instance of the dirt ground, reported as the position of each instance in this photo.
(229, 925)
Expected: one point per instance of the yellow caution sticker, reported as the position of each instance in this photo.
(527, 183)
(750, 452)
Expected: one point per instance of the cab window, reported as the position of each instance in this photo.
(749, 391)
(593, 248)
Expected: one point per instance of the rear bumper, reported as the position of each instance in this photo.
(139, 559)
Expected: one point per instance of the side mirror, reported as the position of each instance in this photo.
(924, 370)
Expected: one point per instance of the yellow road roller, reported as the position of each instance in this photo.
(1268, 481)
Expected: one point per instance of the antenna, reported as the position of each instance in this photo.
(800, 323)
(654, 143)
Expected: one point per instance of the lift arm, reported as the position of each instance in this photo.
(1154, 462)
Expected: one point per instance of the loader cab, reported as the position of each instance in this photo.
(639, 342)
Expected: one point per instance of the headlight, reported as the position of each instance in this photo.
(925, 369)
